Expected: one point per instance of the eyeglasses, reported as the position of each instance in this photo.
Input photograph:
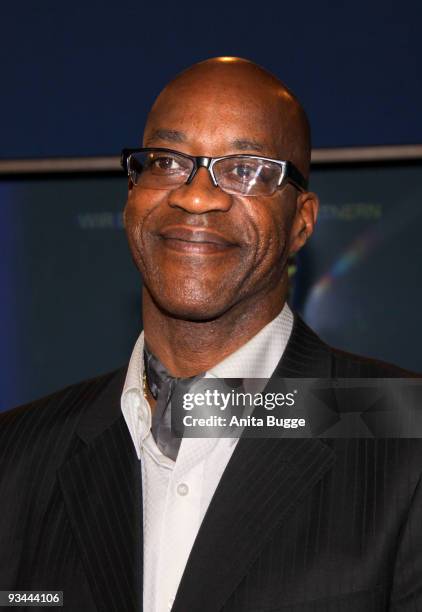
(246, 175)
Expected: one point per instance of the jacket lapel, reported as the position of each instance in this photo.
(263, 483)
(102, 492)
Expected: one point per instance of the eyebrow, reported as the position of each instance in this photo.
(169, 135)
(243, 144)
(239, 144)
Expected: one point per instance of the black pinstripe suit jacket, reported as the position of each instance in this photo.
(295, 525)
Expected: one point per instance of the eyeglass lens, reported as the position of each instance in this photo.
(236, 175)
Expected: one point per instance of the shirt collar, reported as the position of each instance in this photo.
(257, 358)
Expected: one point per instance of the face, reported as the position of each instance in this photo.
(201, 251)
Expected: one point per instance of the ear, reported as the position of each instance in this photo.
(307, 206)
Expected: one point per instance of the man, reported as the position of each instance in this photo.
(100, 501)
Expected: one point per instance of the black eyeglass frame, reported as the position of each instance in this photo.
(289, 171)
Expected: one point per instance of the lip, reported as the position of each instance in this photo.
(194, 240)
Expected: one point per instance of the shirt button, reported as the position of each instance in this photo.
(182, 489)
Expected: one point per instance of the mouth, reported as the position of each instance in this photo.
(194, 240)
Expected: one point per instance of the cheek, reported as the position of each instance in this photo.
(133, 221)
(138, 210)
(140, 204)
(134, 217)
(272, 237)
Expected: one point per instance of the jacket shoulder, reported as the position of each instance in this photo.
(347, 364)
(51, 419)
(306, 347)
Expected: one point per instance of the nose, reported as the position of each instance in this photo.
(200, 195)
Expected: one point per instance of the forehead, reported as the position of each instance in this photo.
(217, 119)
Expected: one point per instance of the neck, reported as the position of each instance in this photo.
(187, 348)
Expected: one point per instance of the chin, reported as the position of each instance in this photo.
(202, 308)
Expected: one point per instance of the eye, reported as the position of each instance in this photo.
(165, 164)
(245, 172)
(241, 172)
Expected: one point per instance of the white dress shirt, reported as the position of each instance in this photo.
(176, 494)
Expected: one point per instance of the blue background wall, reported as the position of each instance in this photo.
(78, 77)
(71, 304)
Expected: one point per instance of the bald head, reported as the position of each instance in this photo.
(206, 253)
(241, 102)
